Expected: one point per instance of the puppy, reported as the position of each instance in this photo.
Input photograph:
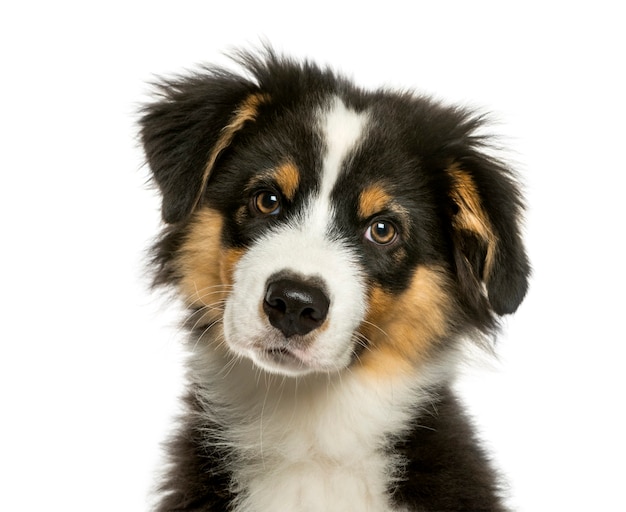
(334, 247)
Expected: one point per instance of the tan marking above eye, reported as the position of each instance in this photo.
(375, 200)
(284, 179)
(287, 177)
(372, 200)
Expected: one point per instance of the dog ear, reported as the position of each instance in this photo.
(488, 249)
(184, 132)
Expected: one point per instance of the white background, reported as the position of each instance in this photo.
(90, 359)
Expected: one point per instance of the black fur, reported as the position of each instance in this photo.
(415, 140)
(180, 131)
(199, 480)
(442, 450)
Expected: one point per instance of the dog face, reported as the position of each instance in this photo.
(315, 227)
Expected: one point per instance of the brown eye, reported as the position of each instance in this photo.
(267, 203)
(381, 232)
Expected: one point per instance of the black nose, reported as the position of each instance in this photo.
(294, 306)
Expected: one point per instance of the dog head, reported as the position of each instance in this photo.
(313, 226)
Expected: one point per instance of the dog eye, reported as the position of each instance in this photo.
(266, 203)
(381, 232)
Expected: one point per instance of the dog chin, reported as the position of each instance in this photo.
(282, 362)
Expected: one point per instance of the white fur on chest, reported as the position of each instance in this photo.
(315, 445)
(314, 483)
(326, 456)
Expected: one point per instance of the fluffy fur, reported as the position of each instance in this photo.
(334, 246)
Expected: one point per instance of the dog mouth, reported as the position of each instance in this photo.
(283, 356)
(282, 360)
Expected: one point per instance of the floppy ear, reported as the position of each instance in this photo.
(184, 132)
(488, 248)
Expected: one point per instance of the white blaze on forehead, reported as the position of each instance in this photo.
(342, 128)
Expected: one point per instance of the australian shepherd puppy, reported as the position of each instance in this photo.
(334, 247)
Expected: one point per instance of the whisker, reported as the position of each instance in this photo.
(362, 340)
(201, 293)
(209, 293)
(201, 312)
(203, 333)
(230, 364)
(376, 327)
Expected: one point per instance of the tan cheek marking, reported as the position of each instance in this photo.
(206, 268)
(471, 215)
(287, 177)
(373, 200)
(228, 263)
(402, 330)
(247, 111)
